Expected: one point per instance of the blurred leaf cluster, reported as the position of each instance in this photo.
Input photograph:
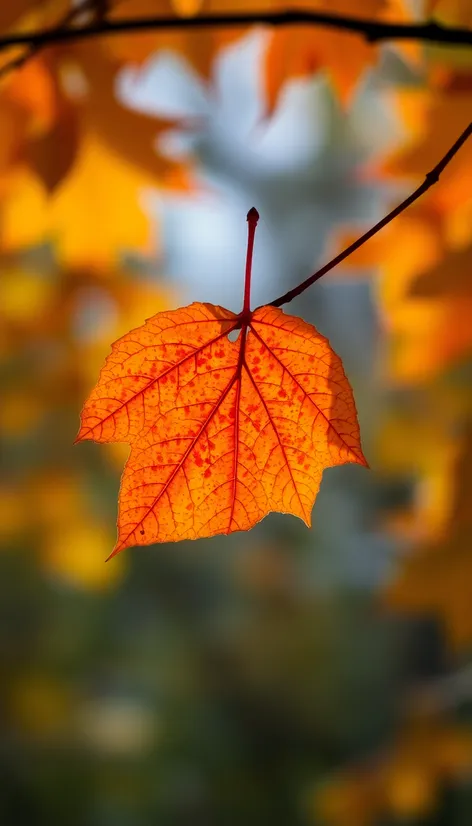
(284, 676)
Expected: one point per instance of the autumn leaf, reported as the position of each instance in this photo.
(449, 277)
(129, 134)
(438, 116)
(93, 216)
(435, 579)
(423, 293)
(438, 584)
(298, 51)
(200, 51)
(453, 12)
(31, 13)
(221, 431)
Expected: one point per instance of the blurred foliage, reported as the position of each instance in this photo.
(282, 676)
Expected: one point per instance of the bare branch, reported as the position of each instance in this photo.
(96, 7)
(431, 178)
(373, 31)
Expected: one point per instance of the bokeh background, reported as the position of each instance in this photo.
(283, 676)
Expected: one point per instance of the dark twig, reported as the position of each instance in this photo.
(372, 31)
(97, 7)
(430, 179)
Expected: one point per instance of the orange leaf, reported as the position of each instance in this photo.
(222, 432)
(200, 51)
(436, 117)
(131, 135)
(298, 51)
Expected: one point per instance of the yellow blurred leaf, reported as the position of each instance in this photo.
(425, 334)
(96, 214)
(92, 217)
(444, 115)
(436, 578)
(25, 296)
(76, 552)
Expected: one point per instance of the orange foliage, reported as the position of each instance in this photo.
(227, 417)
(200, 50)
(298, 51)
(222, 432)
(437, 576)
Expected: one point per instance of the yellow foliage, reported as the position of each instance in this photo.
(93, 217)
(75, 553)
(25, 295)
(74, 163)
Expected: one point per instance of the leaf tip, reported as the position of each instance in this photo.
(116, 550)
(83, 434)
(361, 460)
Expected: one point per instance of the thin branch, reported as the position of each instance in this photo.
(430, 179)
(372, 31)
(97, 7)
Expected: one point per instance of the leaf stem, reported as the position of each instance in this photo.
(431, 178)
(252, 219)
